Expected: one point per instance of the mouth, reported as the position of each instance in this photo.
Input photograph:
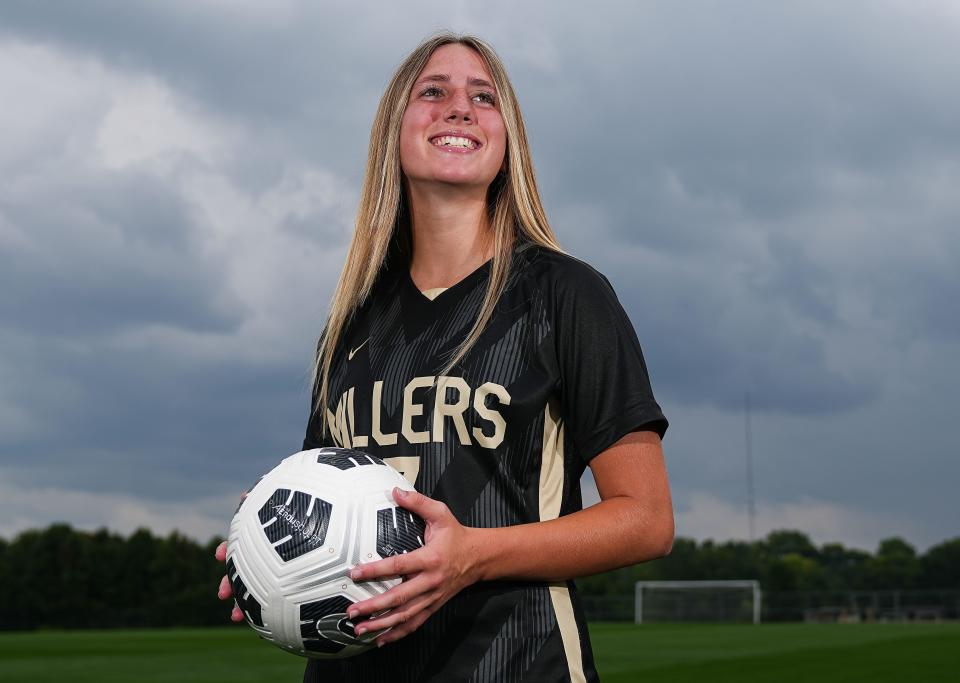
(456, 142)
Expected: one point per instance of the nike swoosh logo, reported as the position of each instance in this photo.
(353, 351)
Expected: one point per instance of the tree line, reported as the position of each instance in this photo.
(60, 577)
(789, 561)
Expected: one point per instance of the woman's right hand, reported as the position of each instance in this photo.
(225, 591)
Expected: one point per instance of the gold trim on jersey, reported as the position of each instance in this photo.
(551, 496)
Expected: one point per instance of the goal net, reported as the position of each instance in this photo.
(667, 601)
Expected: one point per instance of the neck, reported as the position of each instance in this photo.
(451, 234)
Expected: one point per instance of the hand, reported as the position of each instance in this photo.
(431, 575)
(225, 591)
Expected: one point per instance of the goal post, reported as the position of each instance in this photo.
(698, 601)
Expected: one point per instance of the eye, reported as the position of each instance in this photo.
(431, 91)
(485, 97)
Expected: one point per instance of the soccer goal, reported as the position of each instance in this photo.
(666, 601)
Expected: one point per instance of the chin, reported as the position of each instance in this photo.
(459, 180)
(463, 177)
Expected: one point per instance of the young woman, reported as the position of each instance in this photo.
(466, 349)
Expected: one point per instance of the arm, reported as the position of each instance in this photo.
(632, 523)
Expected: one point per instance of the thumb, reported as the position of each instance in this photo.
(431, 510)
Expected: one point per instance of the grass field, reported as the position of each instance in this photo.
(872, 653)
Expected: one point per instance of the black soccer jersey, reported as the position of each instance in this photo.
(503, 438)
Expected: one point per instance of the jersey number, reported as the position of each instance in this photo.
(407, 465)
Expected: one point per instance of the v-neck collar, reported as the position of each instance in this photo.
(462, 284)
(419, 311)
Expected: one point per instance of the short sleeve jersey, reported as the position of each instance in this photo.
(556, 377)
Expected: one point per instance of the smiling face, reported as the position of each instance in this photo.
(452, 131)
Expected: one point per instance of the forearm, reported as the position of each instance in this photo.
(613, 533)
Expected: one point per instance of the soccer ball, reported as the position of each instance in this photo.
(297, 535)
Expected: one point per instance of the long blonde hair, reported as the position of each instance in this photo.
(515, 211)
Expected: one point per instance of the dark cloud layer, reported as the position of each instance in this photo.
(101, 252)
(152, 425)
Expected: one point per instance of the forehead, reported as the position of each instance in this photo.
(457, 61)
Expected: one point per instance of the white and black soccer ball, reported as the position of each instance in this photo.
(297, 535)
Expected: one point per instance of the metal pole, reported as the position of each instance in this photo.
(749, 441)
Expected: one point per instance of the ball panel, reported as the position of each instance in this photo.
(294, 522)
(287, 563)
(346, 458)
(398, 531)
(245, 600)
(325, 627)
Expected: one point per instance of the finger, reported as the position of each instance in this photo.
(236, 614)
(393, 599)
(225, 590)
(406, 629)
(397, 565)
(221, 552)
(397, 617)
(431, 510)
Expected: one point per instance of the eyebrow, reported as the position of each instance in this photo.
(445, 78)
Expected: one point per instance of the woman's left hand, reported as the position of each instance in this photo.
(433, 574)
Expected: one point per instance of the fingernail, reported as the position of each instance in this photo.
(360, 631)
(354, 574)
(353, 614)
(401, 493)
(381, 643)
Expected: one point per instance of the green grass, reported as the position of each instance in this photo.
(782, 653)
(818, 653)
(156, 656)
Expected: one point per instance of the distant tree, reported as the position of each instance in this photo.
(788, 542)
(895, 566)
(5, 593)
(940, 566)
(63, 578)
(794, 572)
(844, 568)
(44, 581)
(683, 562)
(138, 584)
(731, 560)
(184, 589)
(105, 586)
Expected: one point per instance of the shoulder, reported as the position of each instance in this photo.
(580, 298)
(573, 285)
(560, 271)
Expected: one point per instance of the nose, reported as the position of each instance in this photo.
(460, 107)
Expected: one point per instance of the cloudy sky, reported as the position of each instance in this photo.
(771, 188)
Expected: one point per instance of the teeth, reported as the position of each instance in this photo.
(454, 141)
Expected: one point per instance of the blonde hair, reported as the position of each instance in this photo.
(514, 209)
